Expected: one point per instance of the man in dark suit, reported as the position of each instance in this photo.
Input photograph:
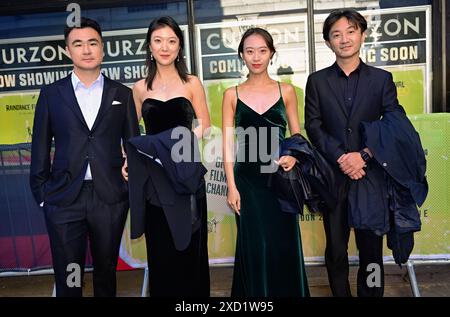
(82, 192)
(338, 99)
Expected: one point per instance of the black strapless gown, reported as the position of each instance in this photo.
(172, 272)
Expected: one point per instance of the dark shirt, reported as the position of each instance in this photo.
(348, 85)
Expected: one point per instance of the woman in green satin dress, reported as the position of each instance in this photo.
(269, 259)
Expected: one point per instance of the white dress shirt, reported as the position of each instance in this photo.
(89, 100)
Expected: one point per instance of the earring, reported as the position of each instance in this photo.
(178, 59)
(271, 62)
(151, 56)
(243, 63)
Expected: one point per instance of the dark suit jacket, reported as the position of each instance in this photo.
(309, 182)
(328, 124)
(396, 147)
(173, 186)
(59, 117)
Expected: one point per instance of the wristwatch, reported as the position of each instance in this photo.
(365, 156)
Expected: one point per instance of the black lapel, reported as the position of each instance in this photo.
(70, 100)
(363, 89)
(109, 92)
(336, 89)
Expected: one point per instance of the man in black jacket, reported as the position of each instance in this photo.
(338, 99)
(82, 191)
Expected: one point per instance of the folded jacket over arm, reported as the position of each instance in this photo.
(165, 169)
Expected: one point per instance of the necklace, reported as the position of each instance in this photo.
(165, 85)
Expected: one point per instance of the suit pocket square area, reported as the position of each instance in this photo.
(116, 103)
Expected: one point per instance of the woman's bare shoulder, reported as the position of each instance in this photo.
(287, 88)
(193, 80)
(140, 86)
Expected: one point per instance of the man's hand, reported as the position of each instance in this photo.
(357, 175)
(352, 165)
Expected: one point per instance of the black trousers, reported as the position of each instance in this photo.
(370, 248)
(70, 228)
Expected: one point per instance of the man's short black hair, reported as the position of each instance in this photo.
(84, 23)
(353, 16)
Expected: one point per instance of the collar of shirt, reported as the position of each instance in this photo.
(77, 83)
(340, 72)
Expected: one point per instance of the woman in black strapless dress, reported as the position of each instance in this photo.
(169, 97)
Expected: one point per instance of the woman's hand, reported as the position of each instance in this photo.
(125, 170)
(287, 162)
(234, 199)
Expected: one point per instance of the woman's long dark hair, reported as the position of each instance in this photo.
(180, 64)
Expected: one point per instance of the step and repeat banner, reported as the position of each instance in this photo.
(398, 40)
